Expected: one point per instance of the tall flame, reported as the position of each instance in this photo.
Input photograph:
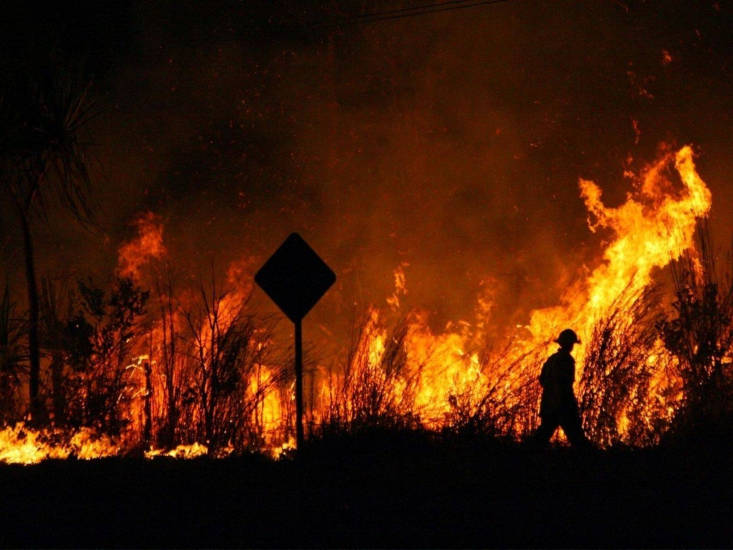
(652, 228)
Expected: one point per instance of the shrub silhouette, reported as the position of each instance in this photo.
(700, 335)
(616, 377)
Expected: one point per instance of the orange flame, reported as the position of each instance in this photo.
(148, 245)
(22, 445)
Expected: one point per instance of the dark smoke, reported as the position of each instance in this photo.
(452, 142)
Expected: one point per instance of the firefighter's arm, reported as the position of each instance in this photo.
(572, 372)
(568, 373)
(544, 374)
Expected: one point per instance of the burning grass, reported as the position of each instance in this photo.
(155, 367)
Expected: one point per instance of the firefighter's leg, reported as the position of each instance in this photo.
(573, 429)
(547, 428)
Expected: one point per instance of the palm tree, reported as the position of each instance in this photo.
(41, 159)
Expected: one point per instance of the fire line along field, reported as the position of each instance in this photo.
(327, 274)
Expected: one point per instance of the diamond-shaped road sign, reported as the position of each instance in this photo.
(295, 277)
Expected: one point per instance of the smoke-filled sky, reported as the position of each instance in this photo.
(449, 142)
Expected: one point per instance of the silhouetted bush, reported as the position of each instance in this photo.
(372, 387)
(490, 409)
(227, 353)
(617, 373)
(700, 335)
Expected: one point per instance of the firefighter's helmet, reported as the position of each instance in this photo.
(567, 337)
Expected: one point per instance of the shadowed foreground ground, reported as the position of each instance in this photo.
(386, 489)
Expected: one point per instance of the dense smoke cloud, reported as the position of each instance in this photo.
(451, 143)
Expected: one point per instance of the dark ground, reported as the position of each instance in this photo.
(386, 489)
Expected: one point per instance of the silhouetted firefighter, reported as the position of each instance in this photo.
(558, 406)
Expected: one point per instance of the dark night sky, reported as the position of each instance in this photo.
(451, 141)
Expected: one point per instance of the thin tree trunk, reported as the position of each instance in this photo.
(57, 381)
(148, 427)
(34, 352)
(169, 360)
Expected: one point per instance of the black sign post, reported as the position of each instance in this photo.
(295, 278)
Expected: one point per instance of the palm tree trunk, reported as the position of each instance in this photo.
(34, 352)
